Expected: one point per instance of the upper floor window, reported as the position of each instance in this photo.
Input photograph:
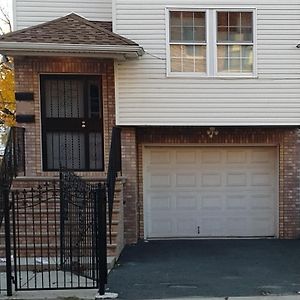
(235, 42)
(188, 41)
(211, 42)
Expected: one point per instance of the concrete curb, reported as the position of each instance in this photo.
(90, 295)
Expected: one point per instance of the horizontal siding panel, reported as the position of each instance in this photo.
(145, 96)
(29, 13)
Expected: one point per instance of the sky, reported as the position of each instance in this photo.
(7, 6)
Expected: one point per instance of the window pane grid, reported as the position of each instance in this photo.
(235, 26)
(188, 41)
(234, 42)
(187, 27)
(188, 58)
(235, 59)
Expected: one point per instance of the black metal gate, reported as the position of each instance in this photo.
(83, 228)
(59, 235)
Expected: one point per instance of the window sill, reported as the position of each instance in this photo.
(204, 76)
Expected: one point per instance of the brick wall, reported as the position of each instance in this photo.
(286, 139)
(27, 71)
(129, 170)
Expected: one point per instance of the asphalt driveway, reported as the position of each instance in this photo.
(208, 268)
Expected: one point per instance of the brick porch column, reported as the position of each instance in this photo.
(129, 171)
(289, 186)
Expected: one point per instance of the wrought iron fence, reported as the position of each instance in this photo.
(59, 235)
(59, 227)
(12, 163)
(83, 226)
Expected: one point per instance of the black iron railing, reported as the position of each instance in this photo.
(80, 226)
(12, 163)
(59, 234)
(114, 167)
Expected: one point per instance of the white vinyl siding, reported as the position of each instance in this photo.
(32, 12)
(146, 96)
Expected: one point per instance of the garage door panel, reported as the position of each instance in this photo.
(236, 203)
(224, 191)
(211, 180)
(159, 180)
(236, 179)
(186, 157)
(236, 226)
(211, 157)
(262, 202)
(186, 226)
(159, 157)
(262, 225)
(211, 227)
(186, 179)
(186, 202)
(236, 157)
(161, 228)
(212, 202)
(262, 179)
(262, 156)
(159, 202)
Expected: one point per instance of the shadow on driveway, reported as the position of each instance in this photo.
(209, 268)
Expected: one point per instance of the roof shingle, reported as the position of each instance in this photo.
(70, 29)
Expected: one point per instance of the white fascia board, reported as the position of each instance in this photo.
(32, 49)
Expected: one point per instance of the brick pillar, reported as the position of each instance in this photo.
(129, 171)
(297, 229)
(289, 212)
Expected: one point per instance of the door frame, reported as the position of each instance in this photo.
(84, 77)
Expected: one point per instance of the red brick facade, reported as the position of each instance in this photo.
(27, 77)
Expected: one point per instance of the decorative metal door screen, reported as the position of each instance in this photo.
(72, 123)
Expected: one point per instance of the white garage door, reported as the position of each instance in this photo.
(210, 192)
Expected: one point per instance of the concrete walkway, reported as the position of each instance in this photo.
(34, 278)
(207, 268)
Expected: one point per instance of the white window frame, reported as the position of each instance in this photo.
(211, 42)
(185, 74)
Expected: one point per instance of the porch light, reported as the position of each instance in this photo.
(212, 131)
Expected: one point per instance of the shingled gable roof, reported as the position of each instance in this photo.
(68, 34)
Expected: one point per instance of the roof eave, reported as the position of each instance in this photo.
(85, 50)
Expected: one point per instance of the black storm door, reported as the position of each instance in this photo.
(72, 125)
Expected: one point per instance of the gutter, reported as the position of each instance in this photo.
(32, 49)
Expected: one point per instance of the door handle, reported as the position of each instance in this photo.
(83, 125)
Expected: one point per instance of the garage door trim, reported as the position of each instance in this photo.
(276, 180)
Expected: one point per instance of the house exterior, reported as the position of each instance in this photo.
(206, 93)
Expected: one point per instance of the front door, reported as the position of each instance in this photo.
(72, 127)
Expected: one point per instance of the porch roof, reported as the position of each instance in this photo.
(71, 35)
